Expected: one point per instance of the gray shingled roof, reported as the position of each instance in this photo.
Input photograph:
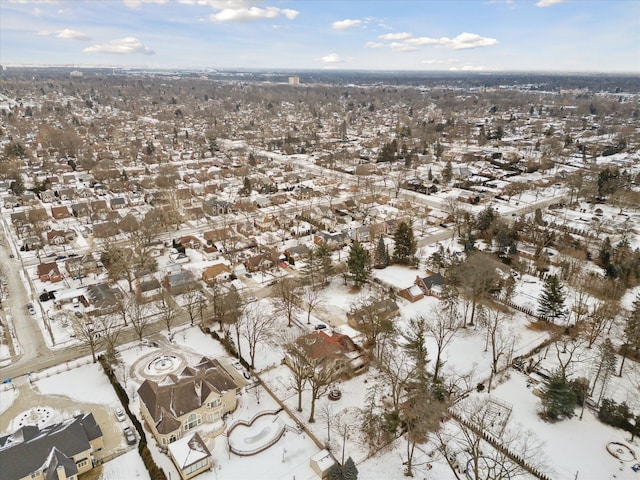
(30, 449)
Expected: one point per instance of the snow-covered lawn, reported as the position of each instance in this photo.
(572, 446)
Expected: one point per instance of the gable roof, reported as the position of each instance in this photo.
(319, 345)
(176, 395)
(50, 268)
(30, 449)
(188, 450)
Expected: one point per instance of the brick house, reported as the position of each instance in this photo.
(49, 272)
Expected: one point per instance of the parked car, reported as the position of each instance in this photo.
(320, 326)
(129, 435)
(30, 308)
(120, 415)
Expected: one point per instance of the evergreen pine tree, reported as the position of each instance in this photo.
(631, 332)
(359, 263)
(405, 244)
(551, 302)
(447, 172)
(335, 472)
(632, 326)
(324, 261)
(559, 400)
(311, 268)
(382, 255)
(349, 470)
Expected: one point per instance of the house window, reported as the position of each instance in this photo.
(212, 417)
(196, 466)
(192, 421)
(215, 403)
(82, 463)
(35, 474)
(164, 440)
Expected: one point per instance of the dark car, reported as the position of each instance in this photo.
(320, 326)
(129, 435)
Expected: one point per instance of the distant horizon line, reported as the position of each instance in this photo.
(293, 71)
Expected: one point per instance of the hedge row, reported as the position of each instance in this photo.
(155, 472)
(228, 345)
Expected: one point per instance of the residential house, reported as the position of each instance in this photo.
(189, 241)
(297, 252)
(373, 310)
(412, 293)
(10, 201)
(346, 357)
(81, 266)
(103, 298)
(59, 237)
(118, 203)
(261, 262)
(148, 288)
(191, 455)
(333, 240)
(61, 451)
(176, 404)
(216, 207)
(80, 209)
(49, 272)
(431, 284)
(215, 272)
(105, 230)
(178, 279)
(60, 212)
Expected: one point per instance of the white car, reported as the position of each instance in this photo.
(120, 415)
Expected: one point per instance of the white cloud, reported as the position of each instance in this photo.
(402, 47)
(72, 35)
(122, 46)
(139, 3)
(374, 45)
(332, 58)
(448, 61)
(346, 23)
(422, 41)
(35, 1)
(467, 40)
(468, 68)
(395, 36)
(461, 42)
(548, 3)
(247, 14)
(66, 34)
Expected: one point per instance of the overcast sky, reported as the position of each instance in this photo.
(473, 35)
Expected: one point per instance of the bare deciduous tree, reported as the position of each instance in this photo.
(396, 373)
(87, 333)
(287, 297)
(168, 310)
(312, 298)
(499, 337)
(257, 325)
(138, 315)
(297, 362)
(442, 329)
(193, 303)
(486, 461)
(321, 374)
